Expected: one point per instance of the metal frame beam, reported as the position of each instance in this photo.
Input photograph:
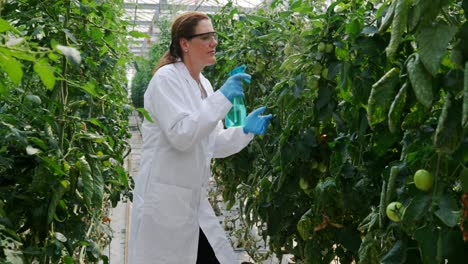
(171, 6)
(160, 9)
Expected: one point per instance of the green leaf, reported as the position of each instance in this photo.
(90, 88)
(13, 256)
(449, 218)
(13, 41)
(304, 226)
(96, 34)
(369, 250)
(138, 34)
(68, 260)
(427, 239)
(93, 136)
(369, 31)
(415, 15)
(396, 255)
(5, 26)
(70, 35)
(87, 179)
(421, 81)
(145, 114)
(381, 96)
(31, 150)
(464, 179)
(60, 237)
(398, 26)
(98, 182)
(353, 28)
(396, 110)
(33, 98)
(53, 166)
(291, 62)
(387, 20)
(449, 133)
(415, 118)
(342, 53)
(258, 18)
(46, 73)
(98, 123)
(465, 8)
(448, 212)
(12, 67)
(433, 41)
(57, 194)
(3, 90)
(417, 207)
(19, 54)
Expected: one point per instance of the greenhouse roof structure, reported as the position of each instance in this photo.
(145, 14)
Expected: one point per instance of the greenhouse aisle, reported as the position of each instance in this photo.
(120, 216)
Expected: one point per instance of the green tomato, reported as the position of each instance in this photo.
(303, 183)
(260, 66)
(317, 69)
(322, 167)
(288, 50)
(395, 211)
(329, 48)
(313, 164)
(325, 73)
(423, 180)
(314, 83)
(321, 47)
(66, 166)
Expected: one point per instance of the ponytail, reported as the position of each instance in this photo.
(171, 56)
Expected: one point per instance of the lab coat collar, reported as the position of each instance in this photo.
(182, 68)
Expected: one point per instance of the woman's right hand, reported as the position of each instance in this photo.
(233, 86)
(256, 123)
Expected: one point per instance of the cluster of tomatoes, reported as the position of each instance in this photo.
(423, 180)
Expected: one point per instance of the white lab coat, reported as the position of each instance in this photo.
(170, 198)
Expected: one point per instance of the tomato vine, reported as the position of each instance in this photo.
(364, 94)
(63, 119)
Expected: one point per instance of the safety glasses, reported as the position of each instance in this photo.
(205, 37)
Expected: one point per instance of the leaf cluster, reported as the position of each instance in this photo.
(63, 119)
(356, 89)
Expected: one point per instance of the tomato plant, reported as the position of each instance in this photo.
(63, 128)
(363, 93)
(385, 82)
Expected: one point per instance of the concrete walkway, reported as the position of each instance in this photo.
(120, 216)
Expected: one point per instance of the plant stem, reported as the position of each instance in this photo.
(436, 176)
(1, 7)
(84, 247)
(63, 97)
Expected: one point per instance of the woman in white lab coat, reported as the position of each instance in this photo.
(172, 220)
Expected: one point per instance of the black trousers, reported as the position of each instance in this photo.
(206, 254)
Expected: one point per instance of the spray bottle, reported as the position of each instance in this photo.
(237, 114)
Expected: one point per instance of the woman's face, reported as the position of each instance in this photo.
(201, 46)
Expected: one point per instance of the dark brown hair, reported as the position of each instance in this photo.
(182, 27)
